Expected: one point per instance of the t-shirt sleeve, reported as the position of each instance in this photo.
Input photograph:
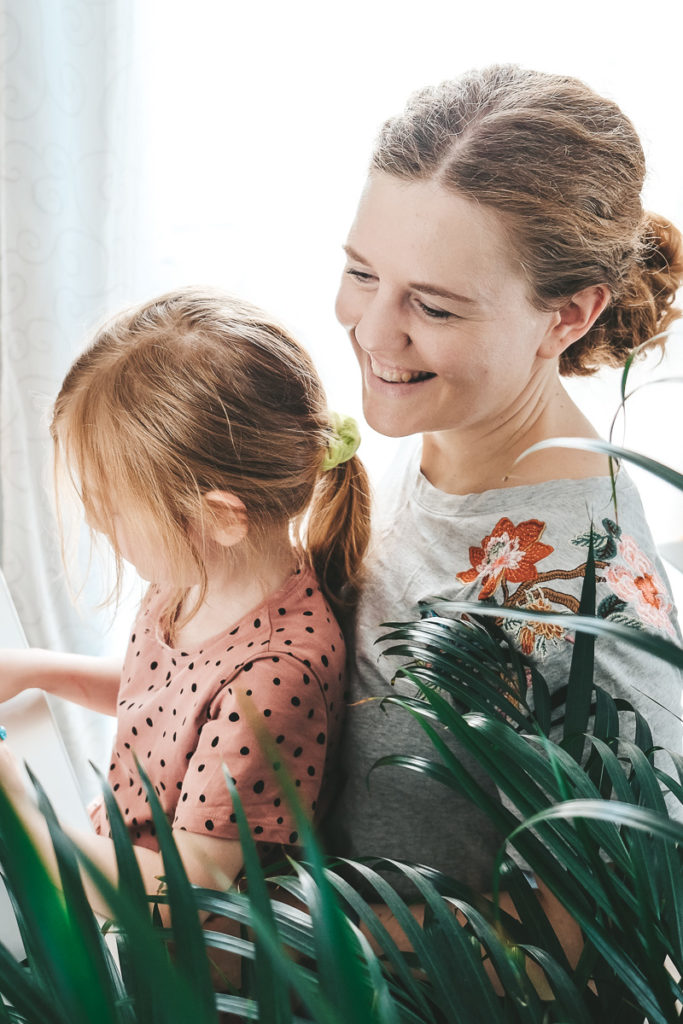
(539, 565)
(272, 715)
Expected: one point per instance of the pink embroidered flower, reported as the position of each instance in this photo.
(508, 553)
(633, 578)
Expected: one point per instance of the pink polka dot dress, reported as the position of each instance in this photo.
(278, 673)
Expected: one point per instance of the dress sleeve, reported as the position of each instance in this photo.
(272, 714)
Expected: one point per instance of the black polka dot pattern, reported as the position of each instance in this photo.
(277, 673)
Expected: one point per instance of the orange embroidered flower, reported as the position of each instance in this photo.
(508, 553)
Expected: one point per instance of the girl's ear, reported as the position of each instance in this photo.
(574, 319)
(228, 523)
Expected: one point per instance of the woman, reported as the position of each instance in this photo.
(499, 243)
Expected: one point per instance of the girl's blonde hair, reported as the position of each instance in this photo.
(196, 392)
(563, 168)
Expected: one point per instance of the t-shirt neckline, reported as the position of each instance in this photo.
(432, 499)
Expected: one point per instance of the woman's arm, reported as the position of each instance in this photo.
(84, 679)
(562, 923)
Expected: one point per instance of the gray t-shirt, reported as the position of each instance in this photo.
(523, 547)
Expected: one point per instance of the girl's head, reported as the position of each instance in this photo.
(195, 419)
(561, 169)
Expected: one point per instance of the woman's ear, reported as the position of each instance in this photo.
(574, 319)
(228, 524)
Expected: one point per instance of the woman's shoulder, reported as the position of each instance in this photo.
(534, 555)
(556, 493)
(525, 547)
(401, 485)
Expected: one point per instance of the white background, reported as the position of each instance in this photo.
(256, 123)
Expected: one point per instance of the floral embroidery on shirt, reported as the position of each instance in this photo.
(535, 637)
(509, 555)
(639, 596)
(635, 580)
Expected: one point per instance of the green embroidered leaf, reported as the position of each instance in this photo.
(610, 605)
(626, 620)
(604, 545)
(612, 528)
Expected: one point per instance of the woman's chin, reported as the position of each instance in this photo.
(389, 425)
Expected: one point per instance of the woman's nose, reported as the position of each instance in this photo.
(380, 326)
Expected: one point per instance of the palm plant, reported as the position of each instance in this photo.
(614, 864)
(586, 805)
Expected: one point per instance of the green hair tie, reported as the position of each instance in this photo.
(344, 442)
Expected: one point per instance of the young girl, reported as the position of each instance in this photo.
(196, 434)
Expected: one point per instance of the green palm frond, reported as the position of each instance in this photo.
(595, 444)
(586, 804)
(615, 864)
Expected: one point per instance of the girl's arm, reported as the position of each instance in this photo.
(84, 679)
(208, 861)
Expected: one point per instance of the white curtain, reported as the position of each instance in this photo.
(66, 215)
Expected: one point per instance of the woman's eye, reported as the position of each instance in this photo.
(437, 314)
(359, 275)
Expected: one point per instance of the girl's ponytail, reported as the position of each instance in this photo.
(338, 519)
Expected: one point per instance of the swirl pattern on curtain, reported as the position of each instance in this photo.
(66, 217)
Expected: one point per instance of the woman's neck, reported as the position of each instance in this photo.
(235, 587)
(483, 457)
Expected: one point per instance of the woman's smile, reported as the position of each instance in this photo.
(395, 374)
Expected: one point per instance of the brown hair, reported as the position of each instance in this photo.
(196, 391)
(563, 168)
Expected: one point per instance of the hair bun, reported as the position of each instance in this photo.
(662, 263)
(645, 308)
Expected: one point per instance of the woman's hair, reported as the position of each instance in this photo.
(563, 168)
(195, 392)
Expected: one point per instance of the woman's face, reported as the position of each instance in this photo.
(438, 313)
